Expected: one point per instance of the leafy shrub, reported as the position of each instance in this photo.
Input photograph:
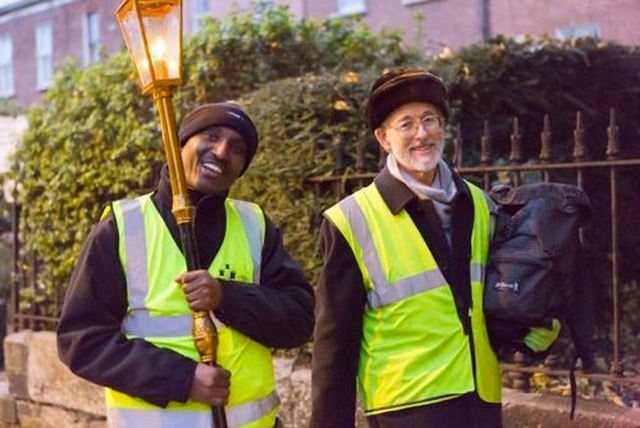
(300, 121)
(92, 139)
(526, 78)
(239, 54)
(95, 138)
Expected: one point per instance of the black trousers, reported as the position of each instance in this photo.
(466, 411)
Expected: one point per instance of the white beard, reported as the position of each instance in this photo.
(409, 163)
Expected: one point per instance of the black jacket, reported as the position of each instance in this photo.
(278, 313)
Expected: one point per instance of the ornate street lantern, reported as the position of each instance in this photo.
(153, 32)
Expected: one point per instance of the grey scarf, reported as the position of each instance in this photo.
(441, 192)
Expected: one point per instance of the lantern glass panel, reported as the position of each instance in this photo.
(161, 21)
(135, 42)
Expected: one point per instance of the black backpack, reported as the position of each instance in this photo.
(536, 271)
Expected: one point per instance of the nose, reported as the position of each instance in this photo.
(222, 148)
(422, 130)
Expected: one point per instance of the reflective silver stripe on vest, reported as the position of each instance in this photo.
(248, 412)
(416, 284)
(477, 272)
(138, 282)
(236, 416)
(139, 418)
(253, 229)
(136, 245)
(385, 293)
(140, 323)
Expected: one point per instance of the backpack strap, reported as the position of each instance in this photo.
(574, 388)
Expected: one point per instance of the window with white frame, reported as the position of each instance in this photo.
(200, 9)
(44, 55)
(7, 88)
(346, 7)
(91, 38)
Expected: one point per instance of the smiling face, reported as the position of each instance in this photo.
(213, 159)
(413, 135)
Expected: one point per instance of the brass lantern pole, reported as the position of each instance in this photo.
(153, 33)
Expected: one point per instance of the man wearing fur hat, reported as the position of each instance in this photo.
(126, 320)
(399, 301)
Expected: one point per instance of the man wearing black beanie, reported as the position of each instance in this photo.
(221, 114)
(126, 320)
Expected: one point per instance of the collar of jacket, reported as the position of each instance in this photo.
(397, 195)
(209, 222)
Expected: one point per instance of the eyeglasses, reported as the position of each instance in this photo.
(409, 127)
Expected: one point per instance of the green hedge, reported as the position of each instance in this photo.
(525, 78)
(300, 120)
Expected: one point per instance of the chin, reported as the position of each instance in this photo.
(425, 165)
(208, 190)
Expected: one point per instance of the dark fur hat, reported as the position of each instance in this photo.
(402, 86)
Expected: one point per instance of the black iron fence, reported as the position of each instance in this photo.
(619, 173)
(31, 305)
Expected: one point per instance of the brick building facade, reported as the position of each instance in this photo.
(42, 34)
(37, 35)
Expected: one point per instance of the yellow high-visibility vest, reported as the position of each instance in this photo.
(414, 350)
(159, 313)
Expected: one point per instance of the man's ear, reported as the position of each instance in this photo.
(381, 135)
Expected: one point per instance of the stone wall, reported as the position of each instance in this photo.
(38, 391)
(42, 392)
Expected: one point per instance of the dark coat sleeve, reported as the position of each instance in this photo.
(340, 301)
(89, 337)
(278, 312)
